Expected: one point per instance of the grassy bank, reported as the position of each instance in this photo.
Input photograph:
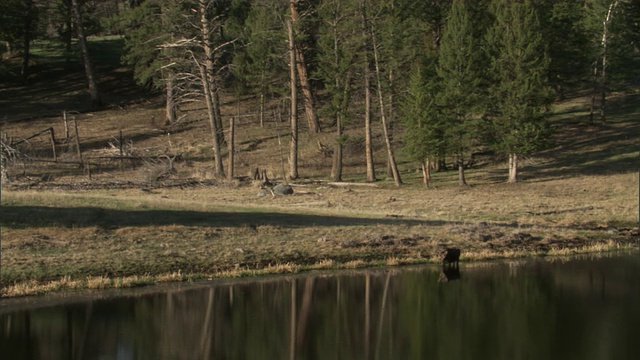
(53, 240)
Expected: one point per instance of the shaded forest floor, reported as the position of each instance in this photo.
(144, 206)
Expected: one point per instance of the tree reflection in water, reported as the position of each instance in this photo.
(583, 308)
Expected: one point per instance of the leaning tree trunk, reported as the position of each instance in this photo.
(293, 144)
(205, 71)
(301, 66)
(390, 156)
(96, 101)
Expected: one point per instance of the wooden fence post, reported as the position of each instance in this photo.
(52, 137)
(75, 122)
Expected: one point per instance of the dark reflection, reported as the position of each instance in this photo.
(449, 273)
(582, 309)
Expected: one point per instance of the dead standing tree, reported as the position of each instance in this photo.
(204, 50)
(293, 113)
(385, 130)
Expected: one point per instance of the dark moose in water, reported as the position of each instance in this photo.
(583, 308)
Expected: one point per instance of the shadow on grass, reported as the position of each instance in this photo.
(41, 216)
(56, 85)
(596, 149)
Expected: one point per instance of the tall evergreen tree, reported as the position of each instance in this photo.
(421, 117)
(520, 93)
(151, 30)
(260, 64)
(460, 69)
(19, 21)
(337, 49)
(570, 52)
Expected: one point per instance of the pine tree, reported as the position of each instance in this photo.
(520, 93)
(259, 64)
(421, 117)
(567, 40)
(337, 49)
(460, 70)
(147, 27)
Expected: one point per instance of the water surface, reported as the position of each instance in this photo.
(584, 308)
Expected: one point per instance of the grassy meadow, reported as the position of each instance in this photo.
(117, 223)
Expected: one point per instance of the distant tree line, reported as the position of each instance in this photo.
(457, 75)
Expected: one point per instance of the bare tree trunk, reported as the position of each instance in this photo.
(594, 94)
(301, 66)
(461, 179)
(390, 156)
(426, 172)
(262, 107)
(205, 71)
(169, 77)
(96, 101)
(603, 74)
(217, 114)
(513, 168)
(336, 168)
(293, 144)
(170, 104)
(371, 173)
(232, 131)
(390, 121)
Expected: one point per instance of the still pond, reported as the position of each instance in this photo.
(575, 308)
